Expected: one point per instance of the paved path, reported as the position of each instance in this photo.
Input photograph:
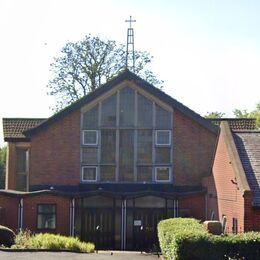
(107, 255)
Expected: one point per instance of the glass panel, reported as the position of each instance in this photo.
(126, 155)
(89, 174)
(97, 202)
(21, 160)
(162, 173)
(144, 146)
(144, 174)
(21, 181)
(163, 118)
(108, 146)
(47, 221)
(108, 112)
(145, 112)
(107, 173)
(162, 155)
(46, 218)
(46, 208)
(127, 100)
(150, 202)
(163, 137)
(90, 137)
(90, 155)
(90, 119)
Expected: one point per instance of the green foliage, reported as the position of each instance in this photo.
(2, 167)
(84, 65)
(52, 242)
(249, 114)
(7, 236)
(214, 115)
(187, 239)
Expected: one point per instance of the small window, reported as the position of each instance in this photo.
(163, 137)
(46, 216)
(89, 173)
(90, 137)
(162, 174)
(234, 226)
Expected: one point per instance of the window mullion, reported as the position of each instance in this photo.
(117, 135)
(153, 143)
(135, 137)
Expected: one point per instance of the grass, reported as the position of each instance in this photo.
(26, 240)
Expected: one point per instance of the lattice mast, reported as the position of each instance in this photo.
(130, 47)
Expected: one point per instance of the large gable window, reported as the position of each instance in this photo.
(127, 137)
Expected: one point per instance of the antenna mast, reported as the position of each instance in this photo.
(130, 48)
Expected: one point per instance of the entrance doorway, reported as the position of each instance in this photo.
(122, 224)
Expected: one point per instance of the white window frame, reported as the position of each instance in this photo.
(83, 137)
(156, 137)
(162, 167)
(82, 173)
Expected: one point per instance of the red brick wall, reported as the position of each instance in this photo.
(9, 214)
(252, 215)
(229, 198)
(192, 207)
(62, 213)
(55, 153)
(193, 150)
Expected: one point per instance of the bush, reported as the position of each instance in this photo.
(6, 236)
(187, 239)
(51, 242)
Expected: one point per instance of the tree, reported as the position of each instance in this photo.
(214, 115)
(2, 167)
(85, 65)
(253, 114)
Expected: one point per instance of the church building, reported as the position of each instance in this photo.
(108, 167)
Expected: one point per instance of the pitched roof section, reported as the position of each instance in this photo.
(126, 75)
(236, 123)
(13, 128)
(248, 147)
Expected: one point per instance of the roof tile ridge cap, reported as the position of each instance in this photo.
(234, 156)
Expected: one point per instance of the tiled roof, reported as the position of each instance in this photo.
(236, 123)
(13, 128)
(248, 147)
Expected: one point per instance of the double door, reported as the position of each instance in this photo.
(122, 225)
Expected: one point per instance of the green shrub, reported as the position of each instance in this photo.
(6, 236)
(52, 242)
(187, 239)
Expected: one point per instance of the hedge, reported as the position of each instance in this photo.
(26, 240)
(186, 239)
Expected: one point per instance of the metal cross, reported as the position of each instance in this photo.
(130, 21)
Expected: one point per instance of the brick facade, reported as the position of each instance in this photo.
(228, 191)
(55, 153)
(193, 150)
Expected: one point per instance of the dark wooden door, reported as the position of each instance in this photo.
(98, 227)
(145, 232)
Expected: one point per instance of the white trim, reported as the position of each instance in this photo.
(162, 167)
(82, 173)
(83, 137)
(156, 137)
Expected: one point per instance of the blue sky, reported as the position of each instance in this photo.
(207, 52)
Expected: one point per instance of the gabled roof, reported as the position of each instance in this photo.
(13, 128)
(126, 75)
(248, 147)
(236, 123)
